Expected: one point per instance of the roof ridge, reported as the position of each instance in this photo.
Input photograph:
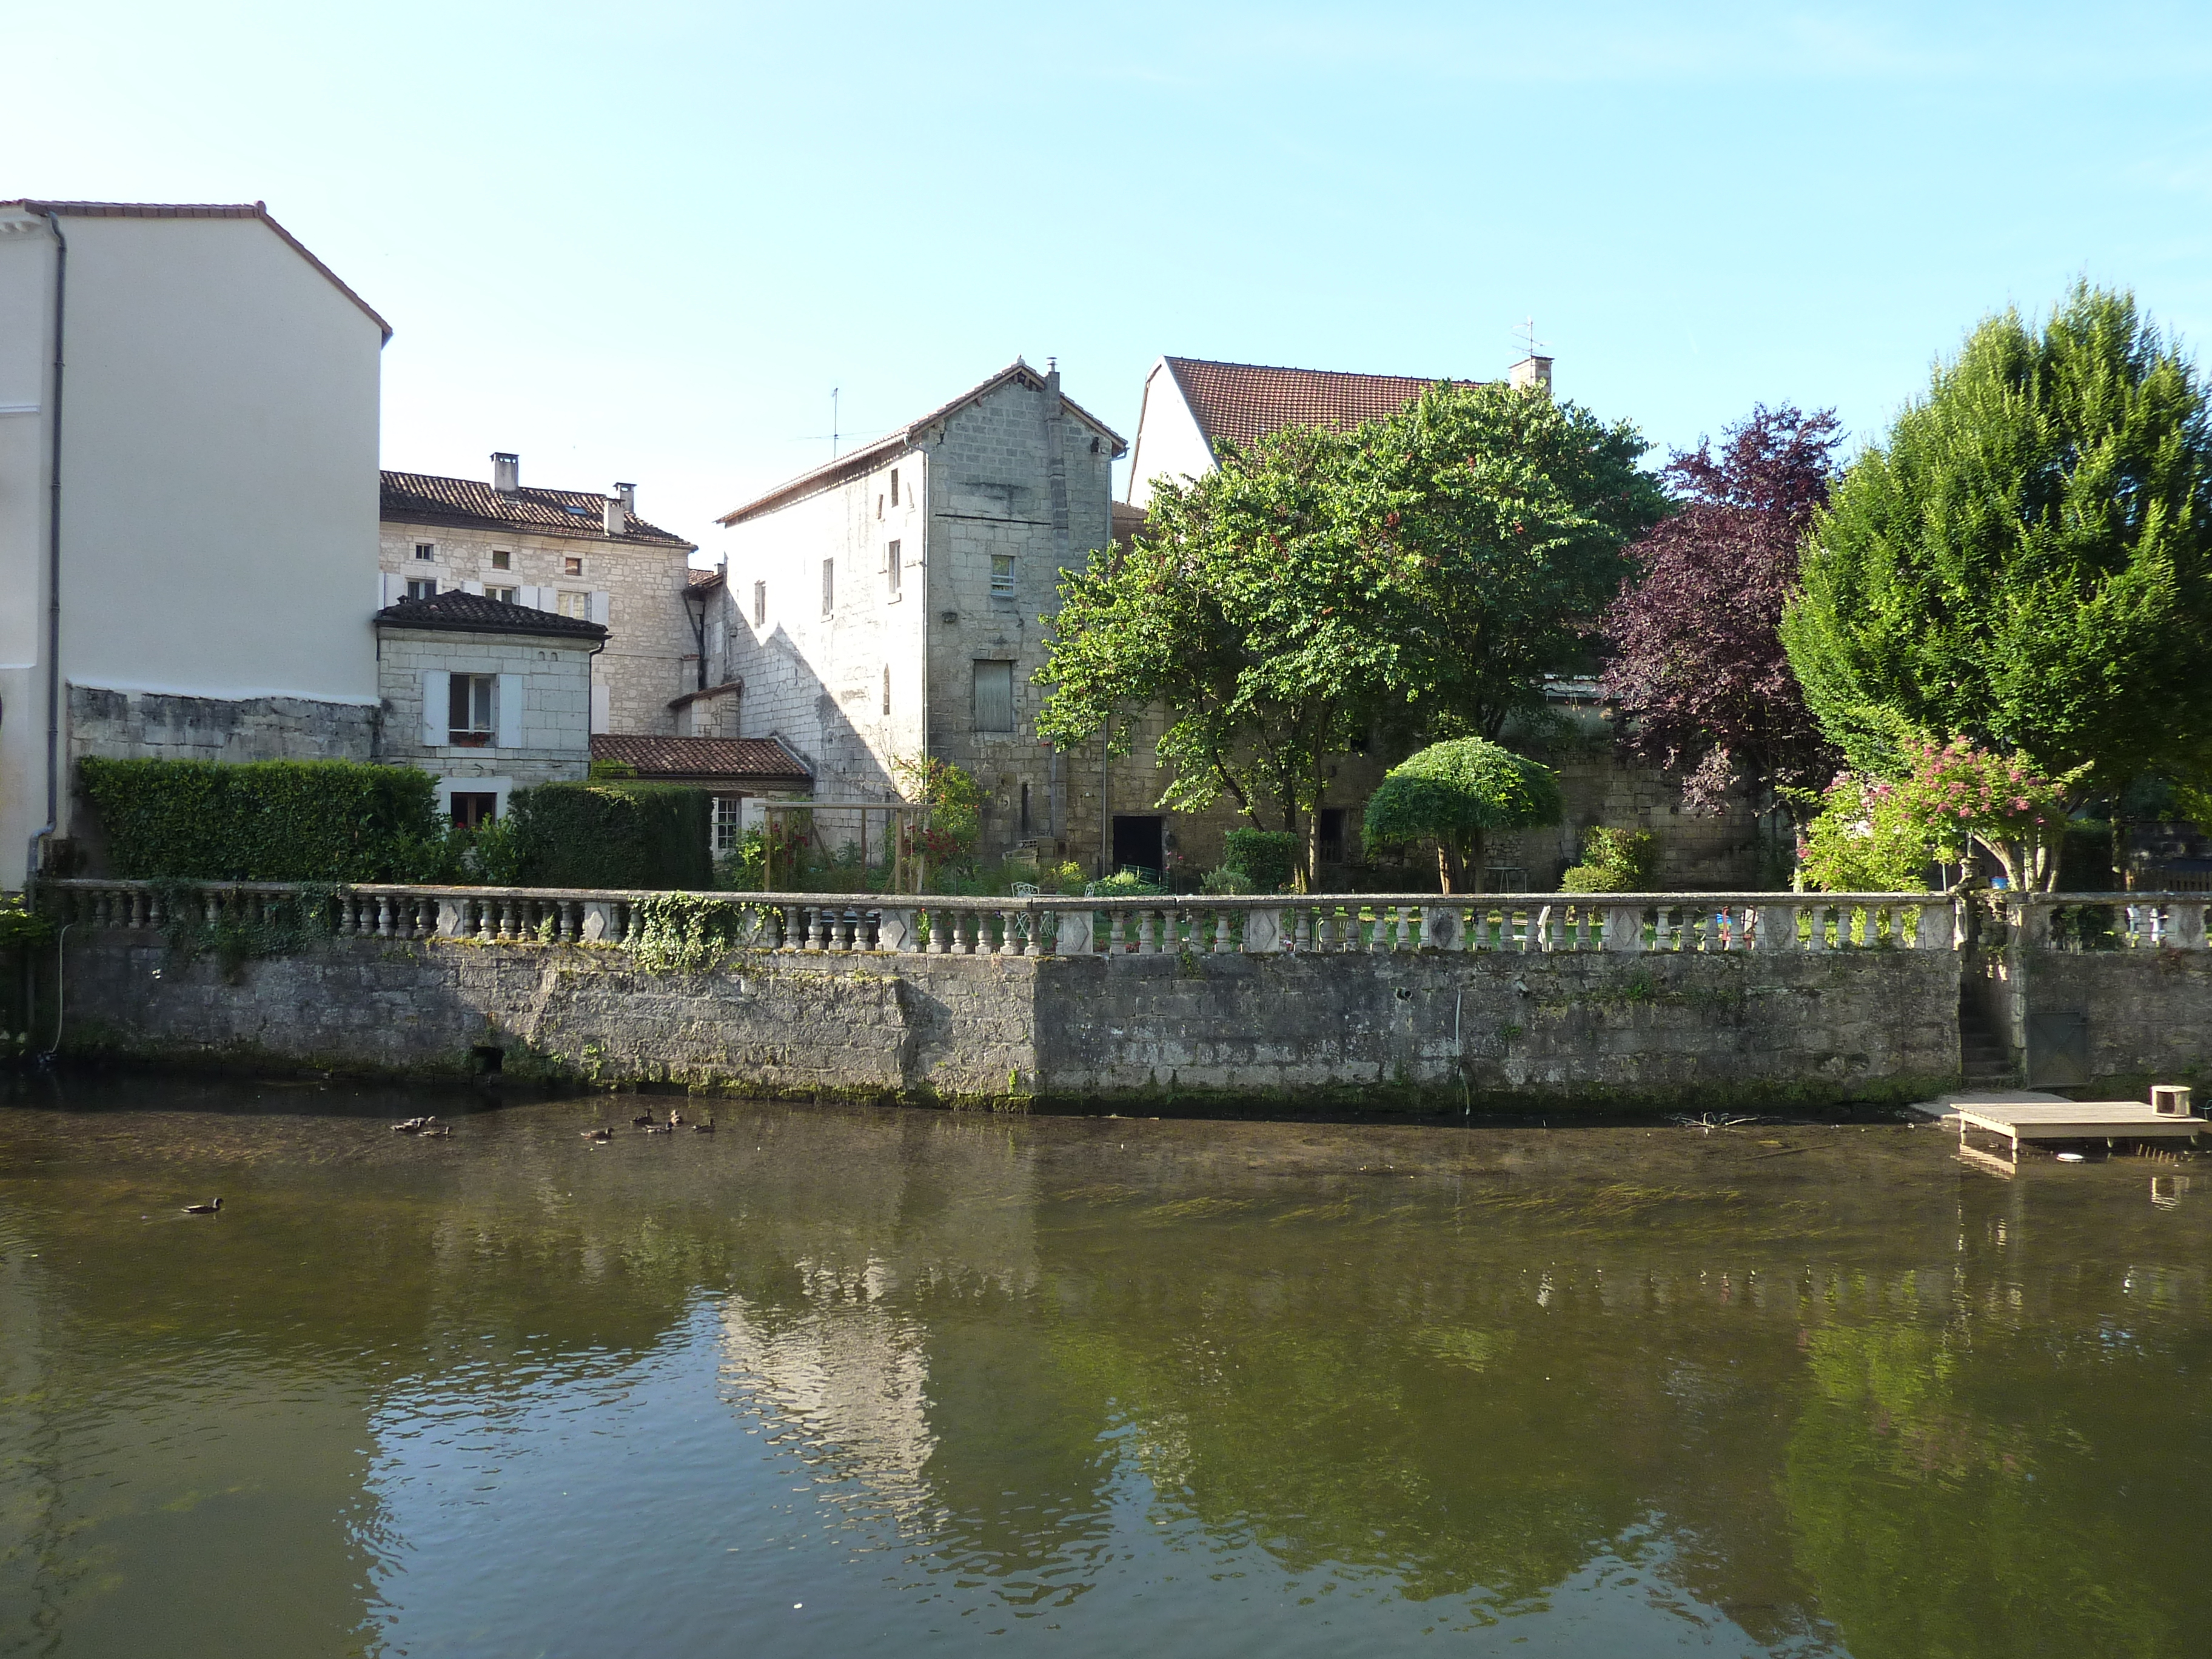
(903, 434)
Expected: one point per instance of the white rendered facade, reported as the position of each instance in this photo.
(218, 406)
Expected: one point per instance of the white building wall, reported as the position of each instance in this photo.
(1169, 443)
(819, 681)
(219, 481)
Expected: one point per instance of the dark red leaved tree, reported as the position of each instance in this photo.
(1698, 670)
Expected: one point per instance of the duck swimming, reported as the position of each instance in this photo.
(203, 1209)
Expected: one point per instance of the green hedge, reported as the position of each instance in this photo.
(1614, 862)
(1269, 857)
(604, 834)
(264, 820)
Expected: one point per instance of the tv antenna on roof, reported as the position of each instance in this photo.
(833, 422)
(1526, 334)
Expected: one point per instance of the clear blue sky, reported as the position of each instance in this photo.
(644, 241)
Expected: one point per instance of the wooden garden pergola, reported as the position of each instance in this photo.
(909, 868)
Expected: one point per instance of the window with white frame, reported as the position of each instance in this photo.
(426, 550)
(472, 709)
(574, 604)
(1002, 575)
(729, 821)
(421, 587)
(891, 569)
(504, 595)
(994, 696)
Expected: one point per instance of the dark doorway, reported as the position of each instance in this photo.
(471, 808)
(1332, 835)
(1138, 843)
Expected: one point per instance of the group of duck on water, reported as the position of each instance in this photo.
(430, 1126)
(651, 1125)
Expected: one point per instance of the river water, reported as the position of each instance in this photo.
(836, 1380)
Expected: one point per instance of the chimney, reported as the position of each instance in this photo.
(1531, 371)
(505, 473)
(629, 494)
(617, 520)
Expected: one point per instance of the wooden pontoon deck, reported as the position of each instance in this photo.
(2031, 1116)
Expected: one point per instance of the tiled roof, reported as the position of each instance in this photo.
(1242, 403)
(761, 762)
(425, 498)
(869, 455)
(199, 211)
(463, 612)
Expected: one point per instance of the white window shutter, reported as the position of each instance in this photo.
(390, 588)
(602, 709)
(476, 588)
(509, 711)
(434, 710)
(602, 607)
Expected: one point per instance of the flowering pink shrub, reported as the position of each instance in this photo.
(1877, 833)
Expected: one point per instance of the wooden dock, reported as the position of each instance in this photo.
(2026, 1114)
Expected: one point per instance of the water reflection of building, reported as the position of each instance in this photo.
(840, 1355)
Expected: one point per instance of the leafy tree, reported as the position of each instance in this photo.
(1421, 571)
(1497, 520)
(1249, 610)
(2026, 565)
(1878, 835)
(1697, 665)
(1454, 794)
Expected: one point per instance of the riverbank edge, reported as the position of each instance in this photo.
(1422, 1034)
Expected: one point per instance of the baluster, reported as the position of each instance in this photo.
(1116, 943)
(1302, 933)
(1147, 944)
(1011, 942)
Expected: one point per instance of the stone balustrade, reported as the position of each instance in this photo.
(1632, 923)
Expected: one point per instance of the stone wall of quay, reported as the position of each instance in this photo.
(1419, 1031)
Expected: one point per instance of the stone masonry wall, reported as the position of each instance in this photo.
(1434, 1029)
(556, 706)
(2112, 1020)
(652, 655)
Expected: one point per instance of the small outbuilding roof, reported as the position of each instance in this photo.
(739, 764)
(461, 612)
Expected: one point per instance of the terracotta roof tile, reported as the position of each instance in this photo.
(423, 497)
(762, 762)
(463, 612)
(1242, 403)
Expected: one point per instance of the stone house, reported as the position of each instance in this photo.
(739, 772)
(575, 553)
(487, 695)
(188, 449)
(886, 606)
